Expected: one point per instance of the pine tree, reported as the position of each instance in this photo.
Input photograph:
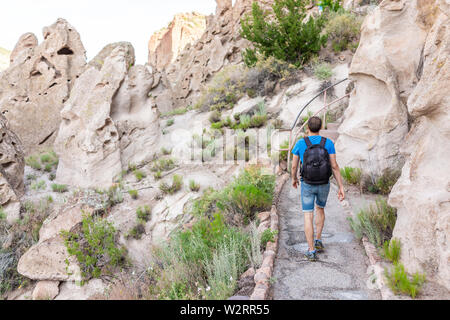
(282, 34)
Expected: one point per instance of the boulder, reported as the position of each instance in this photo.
(46, 290)
(38, 82)
(46, 260)
(108, 122)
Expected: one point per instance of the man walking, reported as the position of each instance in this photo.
(318, 162)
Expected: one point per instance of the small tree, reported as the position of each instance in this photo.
(283, 34)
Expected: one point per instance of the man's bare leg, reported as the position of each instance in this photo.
(309, 229)
(320, 222)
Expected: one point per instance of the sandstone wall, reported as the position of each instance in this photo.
(166, 44)
(399, 118)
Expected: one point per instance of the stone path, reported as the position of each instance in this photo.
(340, 273)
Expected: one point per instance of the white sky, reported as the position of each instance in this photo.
(99, 22)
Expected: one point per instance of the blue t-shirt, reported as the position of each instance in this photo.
(300, 147)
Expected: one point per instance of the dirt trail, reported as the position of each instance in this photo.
(340, 273)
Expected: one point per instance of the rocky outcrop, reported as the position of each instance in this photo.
(4, 59)
(376, 121)
(220, 45)
(11, 171)
(422, 194)
(399, 114)
(166, 44)
(38, 82)
(108, 122)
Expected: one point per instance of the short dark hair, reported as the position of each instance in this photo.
(315, 124)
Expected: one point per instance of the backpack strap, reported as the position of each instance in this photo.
(308, 142)
(323, 142)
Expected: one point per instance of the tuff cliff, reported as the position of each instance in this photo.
(398, 118)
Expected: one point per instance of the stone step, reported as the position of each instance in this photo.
(330, 134)
(333, 126)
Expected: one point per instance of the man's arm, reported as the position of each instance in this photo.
(295, 162)
(337, 176)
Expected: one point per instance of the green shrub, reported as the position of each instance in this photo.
(170, 122)
(249, 193)
(163, 165)
(323, 71)
(25, 233)
(245, 122)
(282, 33)
(165, 151)
(176, 112)
(33, 162)
(193, 186)
(331, 5)
(177, 183)
(132, 167)
(114, 197)
(223, 270)
(376, 222)
(139, 175)
(384, 183)
(61, 188)
(351, 175)
(268, 236)
(399, 281)
(158, 175)
(137, 231)
(202, 263)
(31, 177)
(134, 194)
(254, 252)
(206, 261)
(95, 247)
(343, 28)
(217, 125)
(391, 250)
(39, 185)
(143, 213)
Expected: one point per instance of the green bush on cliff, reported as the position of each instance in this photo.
(95, 247)
(283, 32)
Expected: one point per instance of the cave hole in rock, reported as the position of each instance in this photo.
(66, 51)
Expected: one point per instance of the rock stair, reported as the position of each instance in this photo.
(331, 132)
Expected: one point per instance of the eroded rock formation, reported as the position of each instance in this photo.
(11, 171)
(108, 122)
(399, 111)
(221, 44)
(422, 195)
(166, 44)
(38, 82)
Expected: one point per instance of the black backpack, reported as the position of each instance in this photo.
(316, 166)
